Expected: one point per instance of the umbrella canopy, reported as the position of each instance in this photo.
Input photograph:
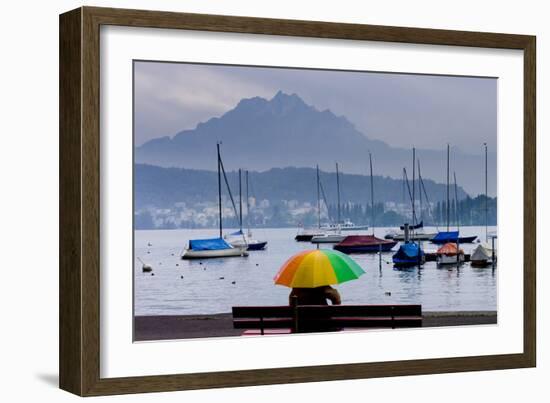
(316, 268)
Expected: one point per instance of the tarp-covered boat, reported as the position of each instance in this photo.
(450, 253)
(481, 257)
(364, 244)
(409, 254)
(444, 237)
(211, 248)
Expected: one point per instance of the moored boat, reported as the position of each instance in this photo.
(212, 248)
(481, 256)
(409, 254)
(344, 226)
(239, 239)
(411, 227)
(450, 254)
(414, 236)
(305, 235)
(444, 237)
(328, 238)
(215, 247)
(448, 236)
(364, 244)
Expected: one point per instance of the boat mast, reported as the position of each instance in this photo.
(371, 193)
(240, 202)
(219, 189)
(247, 203)
(413, 194)
(420, 192)
(486, 199)
(448, 211)
(338, 193)
(457, 215)
(318, 200)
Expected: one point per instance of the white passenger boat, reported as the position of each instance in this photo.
(344, 226)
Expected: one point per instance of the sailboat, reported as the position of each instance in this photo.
(305, 234)
(417, 230)
(327, 237)
(444, 237)
(483, 255)
(214, 247)
(366, 243)
(410, 253)
(341, 225)
(450, 252)
(239, 238)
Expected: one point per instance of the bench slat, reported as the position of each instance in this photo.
(262, 311)
(360, 310)
(259, 324)
(329, 317)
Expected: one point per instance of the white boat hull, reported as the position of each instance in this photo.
(420, 236)
(450, 259)
(206, 254)
(345, 227)
(328, 238)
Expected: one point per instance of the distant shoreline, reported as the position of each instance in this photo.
(295, 227)
(172, 327)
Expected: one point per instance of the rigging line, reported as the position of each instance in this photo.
(325, 200)
(406, 179)
(430, 213)
(457, 211)
(229, 189)
(410, 195)
(250, 183)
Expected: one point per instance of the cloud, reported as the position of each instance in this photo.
(172, 97)
(400, 109)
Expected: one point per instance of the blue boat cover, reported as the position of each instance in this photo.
(450, 236)
(208, 244)
(239, 232)
(410, 250)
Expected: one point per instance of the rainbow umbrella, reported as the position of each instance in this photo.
(315, 268)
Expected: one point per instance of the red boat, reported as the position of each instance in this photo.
(364, 244)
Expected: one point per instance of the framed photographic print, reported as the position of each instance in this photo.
(250, 201)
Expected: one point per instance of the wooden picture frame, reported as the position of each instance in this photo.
(79, 346)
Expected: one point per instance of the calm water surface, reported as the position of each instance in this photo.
(206, 286)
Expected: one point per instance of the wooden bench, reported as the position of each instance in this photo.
(323, 318)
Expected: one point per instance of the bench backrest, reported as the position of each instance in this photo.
(303, 318)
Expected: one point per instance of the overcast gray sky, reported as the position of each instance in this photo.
(400, 109)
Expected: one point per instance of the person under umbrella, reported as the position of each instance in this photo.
(311, 273)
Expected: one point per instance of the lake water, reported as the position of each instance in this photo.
(207, 286)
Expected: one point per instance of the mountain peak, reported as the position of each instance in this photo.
(283, 97)
(282, 103)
